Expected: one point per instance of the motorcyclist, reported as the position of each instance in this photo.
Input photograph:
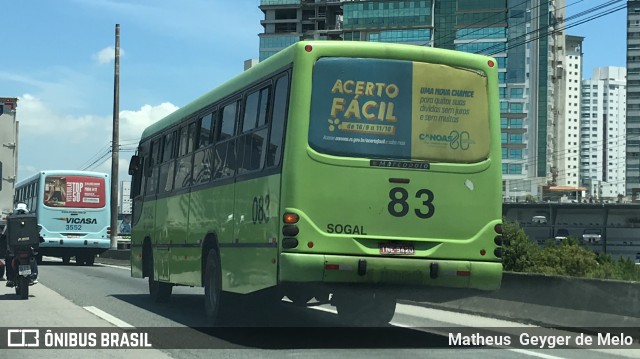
(21, 208)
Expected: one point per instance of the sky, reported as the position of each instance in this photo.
(59, 61)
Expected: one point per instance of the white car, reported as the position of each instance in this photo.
(592, 235)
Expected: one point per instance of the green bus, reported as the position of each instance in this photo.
(334, 170)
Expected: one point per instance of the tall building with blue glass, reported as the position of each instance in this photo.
(516, 32)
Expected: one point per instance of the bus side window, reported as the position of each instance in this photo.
(225, 153)
(185, 156)
(154, 168)
(167, 168)
(202, 157)
(277, 121)
(252, 142)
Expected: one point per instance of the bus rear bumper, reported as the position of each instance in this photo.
(297, 267)
(71, 247)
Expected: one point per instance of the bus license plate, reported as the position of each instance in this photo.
(397, 248)
(24, 270)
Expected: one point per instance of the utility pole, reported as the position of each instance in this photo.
(115, 143)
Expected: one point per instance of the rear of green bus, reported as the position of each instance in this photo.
(392, 170)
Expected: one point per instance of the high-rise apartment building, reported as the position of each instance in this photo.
(567, 131)
(603, 133)
(633, 100)
(519, 34)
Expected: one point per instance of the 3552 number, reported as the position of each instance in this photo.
(399, 207)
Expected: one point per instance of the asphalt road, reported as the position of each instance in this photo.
(105, 295)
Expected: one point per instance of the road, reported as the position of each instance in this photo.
(104, 295)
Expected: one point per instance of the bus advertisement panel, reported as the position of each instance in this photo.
(74, 192)
(391, 109)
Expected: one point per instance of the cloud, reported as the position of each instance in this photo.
(106, 55)
(50, 140)
(132, 123)
(39, 120)
(123, 168)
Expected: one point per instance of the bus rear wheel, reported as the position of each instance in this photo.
(66, 259)
(372, 309)
(212, 287)
(90, 259)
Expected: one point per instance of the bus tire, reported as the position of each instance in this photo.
(66, 259)
(371, 309)
(212, 286)
(160, 291)
(90, 259)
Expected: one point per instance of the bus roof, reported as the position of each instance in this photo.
(289, 54)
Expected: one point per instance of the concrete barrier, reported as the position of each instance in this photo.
(546, 300)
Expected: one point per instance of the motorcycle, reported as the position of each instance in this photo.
(23, 238)
(22, 263)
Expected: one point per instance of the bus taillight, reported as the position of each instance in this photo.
(288, 243)
(491, 63)
(290, 218)
(498, 228)
(308, 48)
(498, 240)
(290, 230)
(108, 231)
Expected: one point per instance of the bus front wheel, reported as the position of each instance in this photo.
(212, 286)
(372, 309)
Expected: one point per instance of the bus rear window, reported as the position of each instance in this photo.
(396, 109)
(74, 192)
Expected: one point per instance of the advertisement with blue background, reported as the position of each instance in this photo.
(396, 109)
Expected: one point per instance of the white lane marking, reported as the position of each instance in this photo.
(325, 310)
(108, 317)
(453, 319)
(534, 354)
(394, 323)
(112, 266)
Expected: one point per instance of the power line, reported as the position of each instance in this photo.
(520, 23)
(547, 33)
(450, 37)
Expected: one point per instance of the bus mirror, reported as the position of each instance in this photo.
(134, 164)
